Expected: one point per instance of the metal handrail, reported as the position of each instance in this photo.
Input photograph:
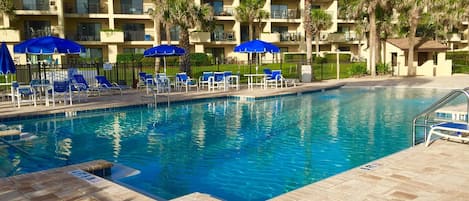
(437, 105)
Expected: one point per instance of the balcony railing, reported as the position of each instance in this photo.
(342, 37)
(284, 14)
(223, 36)
(92, 8)
(83, 37)
(134, 35)
(129, 9)
(290, 36)
(36, 5)
(227, 11)
(34, 33)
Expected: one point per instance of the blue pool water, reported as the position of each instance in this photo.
(231, 149)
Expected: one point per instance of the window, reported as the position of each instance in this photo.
(134, 50)
(132, 6)
(92, 55)
(217, 7)
(394, 59)
(35, 29)
(134, 32)
(88, 31)
(87, 6)
(279, 11)
(35, 4)
(174, 33)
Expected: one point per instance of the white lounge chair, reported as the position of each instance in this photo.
(449, 130)
(183, 80)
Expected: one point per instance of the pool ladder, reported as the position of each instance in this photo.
(423, 119)
(155, 98)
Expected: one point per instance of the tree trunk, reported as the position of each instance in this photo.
(168, 33)
(185, 59)
(373, 44)
(318, 33)
(412, 70)
(157, 40)
(384, 53)
(251, 31)
(359, 48)
(378, 48)
(309, 32)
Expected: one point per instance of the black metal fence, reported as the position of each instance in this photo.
(125, 73)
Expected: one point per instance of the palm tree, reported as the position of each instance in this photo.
(250, 11)
(7, 8)
(320, 20)
(187, 15)
(412, 11)
(308, 32)
(360, 28)
(158, 18)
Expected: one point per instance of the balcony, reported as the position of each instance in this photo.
(290, 36)
(34, 33)
(83, 37)
(340, 37)
(112, 36)
(35, 5)
(129, 9)
(134, 35)
(200, 37)
(91, 8)
(270, 37)
(226, 11)
(10, 35)
(285, 14)
(223, 36)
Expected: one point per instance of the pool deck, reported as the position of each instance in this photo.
(438, 172)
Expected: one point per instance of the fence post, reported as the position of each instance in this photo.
(97, 70)
(29, 71)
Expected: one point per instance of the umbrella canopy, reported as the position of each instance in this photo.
(257, 46)
(48, 45)
(6, 62)
(164, 51)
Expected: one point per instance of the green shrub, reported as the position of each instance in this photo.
(343, 58)
(459, 58)
(199, 59)
(382, 68)
(358, 69)
(320, 60)
(128, 57)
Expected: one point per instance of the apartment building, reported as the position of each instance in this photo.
(109, 27)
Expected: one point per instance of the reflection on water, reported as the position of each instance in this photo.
(263, 148)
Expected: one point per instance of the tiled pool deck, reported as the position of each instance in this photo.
(439, 172)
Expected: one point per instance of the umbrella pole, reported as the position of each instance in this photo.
(249, 61)
(164, 63)
(257, 62)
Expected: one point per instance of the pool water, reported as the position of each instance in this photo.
(235, 150)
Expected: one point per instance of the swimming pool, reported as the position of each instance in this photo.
(235, 150)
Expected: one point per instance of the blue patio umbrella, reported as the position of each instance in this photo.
(48, 45)
(6, 62)
(164, 51)
(256, 46)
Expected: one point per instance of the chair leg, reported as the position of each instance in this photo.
(429, 138)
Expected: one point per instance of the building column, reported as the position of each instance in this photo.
(112, 53)
(60, 18)
(110, 11)
(6, 21)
